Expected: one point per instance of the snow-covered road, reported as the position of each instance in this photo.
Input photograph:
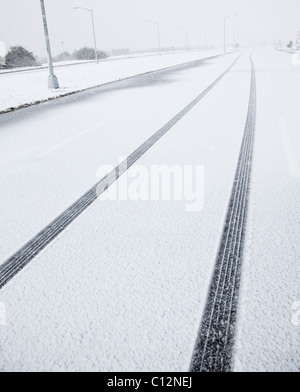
(28, 87)
(269, 328)
(123, 288)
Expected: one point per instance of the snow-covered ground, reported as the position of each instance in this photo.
(41, 66)
(55, 149)
(269, 328)
(77, 62)
(124, 287)
(135, 283)
(23, 88)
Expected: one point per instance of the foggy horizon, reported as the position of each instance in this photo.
(122, 25)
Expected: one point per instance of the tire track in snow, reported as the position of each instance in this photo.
(214, 345)
(29, 251)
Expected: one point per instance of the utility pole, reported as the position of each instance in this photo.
(158, 33)
(186, 37)
(225, 19)
(238, 34)
(52, 79)
(235, 31)
(204, 38)
(94, 32)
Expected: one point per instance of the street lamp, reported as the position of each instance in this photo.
(93, 23)
(235, 27)
(204, 38)
(186, 37)
(213, 41)
(225, 19)
(52, 79)
(158, 33)
(238, 33)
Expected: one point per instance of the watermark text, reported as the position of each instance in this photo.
(153, 183)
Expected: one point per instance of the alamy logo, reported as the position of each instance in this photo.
(2, 314)
(296, 315)
(153, 183)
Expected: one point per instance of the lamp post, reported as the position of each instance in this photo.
(186, 37)
(94, 33)
(204, 38)
(52, 79)
(225, 20)
(238, 33)
(158, 33)
(213, 41)
(235, 31)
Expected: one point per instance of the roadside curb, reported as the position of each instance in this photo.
(38, 102)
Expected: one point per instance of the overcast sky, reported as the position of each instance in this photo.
(121, 23)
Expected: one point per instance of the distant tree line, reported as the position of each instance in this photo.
(19, 57)
(88, 54)
(81, 54)
(294, 44)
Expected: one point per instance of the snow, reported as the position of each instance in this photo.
(123, 288)
(267, 339)
(23, 88)
(45, 65)
(52, 152)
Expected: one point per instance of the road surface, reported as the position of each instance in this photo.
(124, 286)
